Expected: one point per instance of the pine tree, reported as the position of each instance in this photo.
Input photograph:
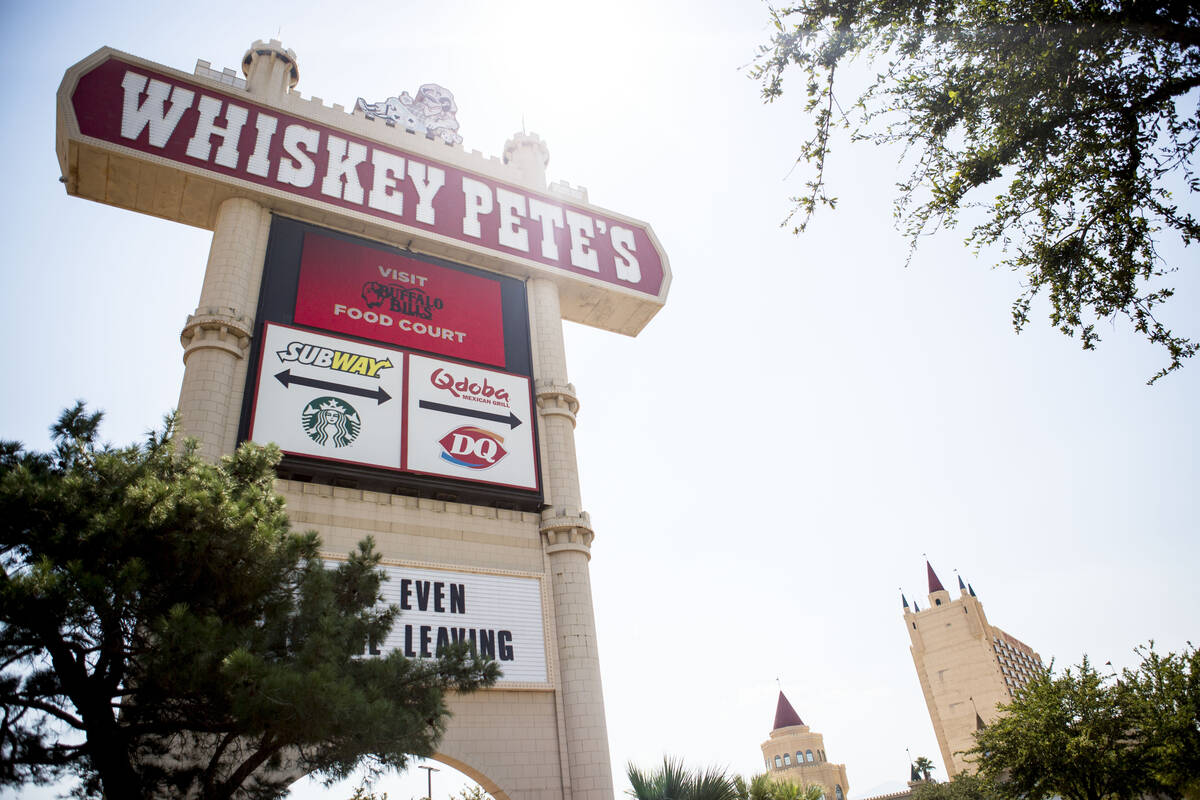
(163, 631)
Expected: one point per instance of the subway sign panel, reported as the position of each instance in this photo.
(129, 129)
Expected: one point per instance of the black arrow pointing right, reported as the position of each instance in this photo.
(511, 420)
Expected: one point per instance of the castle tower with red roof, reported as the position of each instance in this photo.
(966, 666)
(795, 753)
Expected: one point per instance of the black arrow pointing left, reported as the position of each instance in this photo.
(287, 378)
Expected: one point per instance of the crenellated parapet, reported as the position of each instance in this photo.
(217, 329)
(339, 116)
(557, 400)
(562, 531)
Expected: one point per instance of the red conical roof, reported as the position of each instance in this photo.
(934, 584)
(785, 715)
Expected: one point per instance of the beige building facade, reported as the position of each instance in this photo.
(540, 739)
(794, 752)
(966, 666)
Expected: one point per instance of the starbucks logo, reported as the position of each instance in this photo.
(331, 421)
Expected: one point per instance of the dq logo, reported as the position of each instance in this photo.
(473, 448)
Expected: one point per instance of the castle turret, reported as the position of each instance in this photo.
(270, 69)
(529, 155)
(795, 753)
(937, 592)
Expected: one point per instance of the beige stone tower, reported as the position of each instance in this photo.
(966, 666)
(795, 753)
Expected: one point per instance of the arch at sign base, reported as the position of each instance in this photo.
(507, 742)
(450, 779)
(486, 783)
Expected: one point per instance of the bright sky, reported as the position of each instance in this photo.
(767, 463)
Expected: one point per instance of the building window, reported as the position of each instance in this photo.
(787, 760)
(809, 754)
(777, 764)
(838, 791)
(821, 755)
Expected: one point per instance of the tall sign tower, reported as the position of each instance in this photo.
(388, 309)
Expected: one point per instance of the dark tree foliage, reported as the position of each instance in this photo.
(1078, 116)
(1082, 735)
(963, 786)
(1162, 698)
(163, 632)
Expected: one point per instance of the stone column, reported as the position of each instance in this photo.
(216, 338)
(567, 537)
(566, 529)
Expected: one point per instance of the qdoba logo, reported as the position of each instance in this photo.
(474, 390)
(473, 448)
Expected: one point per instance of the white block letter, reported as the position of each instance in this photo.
(628, 268)
(512, 208)
(551, 217)
(385, 186)
(201, 147)
(478, 198)
(426, 189)
(341, 164)
(134, 117)
(301, 176)
(260, 159)
(582, 230)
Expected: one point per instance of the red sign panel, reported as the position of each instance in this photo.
(226, 135)
(374, 294)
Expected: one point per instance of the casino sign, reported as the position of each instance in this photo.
(387, 308)
(139, 135)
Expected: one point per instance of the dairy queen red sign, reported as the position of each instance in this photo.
(126, 107)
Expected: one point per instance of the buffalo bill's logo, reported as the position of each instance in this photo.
(471, 447)
(331, 421)
(401, 299)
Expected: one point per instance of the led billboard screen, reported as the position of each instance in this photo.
(388, 369)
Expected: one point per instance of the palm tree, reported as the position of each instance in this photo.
(764, 787)
(790, 790)
(673, 781)
(923, 767)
